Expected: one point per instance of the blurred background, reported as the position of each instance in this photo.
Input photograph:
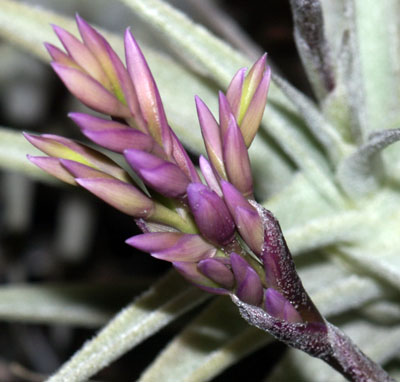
(50, 233)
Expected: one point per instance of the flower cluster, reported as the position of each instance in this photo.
(204, 221)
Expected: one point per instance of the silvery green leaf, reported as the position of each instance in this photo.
(306, 156)
(377, 35)
(309, 33)
(78, 305)
(323, 131)
(162, 303)
(206, 347)
(363, 172)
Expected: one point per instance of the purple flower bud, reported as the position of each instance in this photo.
(217, 272)
(234, 92)
(53, 167)
(211, 136)
(100, 49)
(182, 159)
(236, 159)
(79, 170)
(252, 80)
(90, 92)
(248, 284)
(112, 135)
(164, 177)
(247, 219)
(60, 147)
(225, 113)
(82, 56)
(277, 305)
(149, 100)
(122, 196)
(173, 246)
(252, 118)
(247, 97)
(209, 175)
(59, 56)
(191, 273)
(211, 214)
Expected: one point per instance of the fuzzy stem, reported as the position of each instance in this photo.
(350, 361)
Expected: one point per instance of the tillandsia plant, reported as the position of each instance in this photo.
(325, 164)
(205, 222)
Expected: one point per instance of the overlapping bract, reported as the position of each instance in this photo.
(211, 232)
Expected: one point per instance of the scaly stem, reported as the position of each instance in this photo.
(350, 361)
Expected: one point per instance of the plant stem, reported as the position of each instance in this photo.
(350, 361)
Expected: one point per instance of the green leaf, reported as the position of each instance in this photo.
(378, 51)
(206, 347)
(362, 172)
(318, 125)
(161, 304)
(79, 305)
(285, 130)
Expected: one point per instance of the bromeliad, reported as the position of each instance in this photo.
(204, 221)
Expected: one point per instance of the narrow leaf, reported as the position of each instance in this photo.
(362, 172)
(161, 304)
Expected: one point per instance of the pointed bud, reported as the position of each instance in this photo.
(60, 147)
(250, 85)
(99, 48)
(217, 271)
(112, 135)
(211, 214)
(183, 160)
(247, 219)
(57, 55)
(90, 92)
(211, 136)
(173, 246)
(234, 92)
(122, 196)
(149, 100)
(248, 284)
(225, 113)
(82, 56)
(53, 167)
(236, 159)
(164, 177)
(191, 273)
(252, 119)
(79, 170)
(112, 65)
(209, 175)
(277, 306)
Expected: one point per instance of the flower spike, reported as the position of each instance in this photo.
(216, 236)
